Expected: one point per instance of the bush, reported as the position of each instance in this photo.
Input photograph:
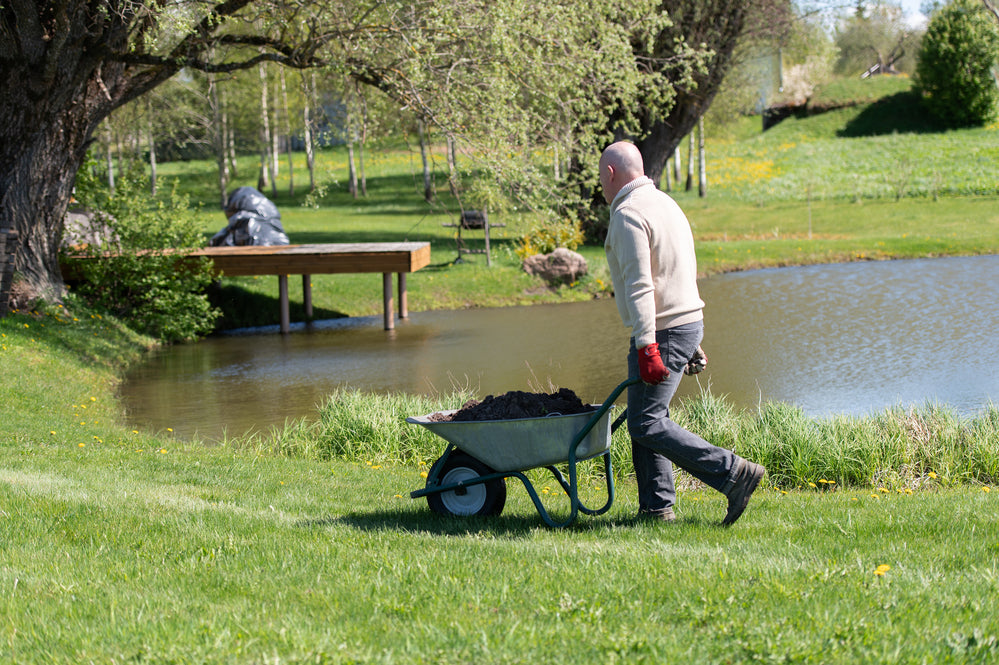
(130, 274)
(549, 236)
(955, 71)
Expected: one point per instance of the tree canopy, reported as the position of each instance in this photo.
(955, 74)
(505, 77)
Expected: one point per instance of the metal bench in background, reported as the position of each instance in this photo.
(473, 220)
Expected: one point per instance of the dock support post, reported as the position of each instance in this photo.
(387, 301)
(283, 296)
(307, 296)
(403, 299)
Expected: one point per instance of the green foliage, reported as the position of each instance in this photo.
(132, 271)
(549, 236)
(956, 64)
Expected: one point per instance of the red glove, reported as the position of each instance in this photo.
(650, 365)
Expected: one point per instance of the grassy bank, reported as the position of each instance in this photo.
(122, 546)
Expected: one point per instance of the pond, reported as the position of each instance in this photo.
(850, 338)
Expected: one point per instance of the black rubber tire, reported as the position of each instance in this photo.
(482, 499)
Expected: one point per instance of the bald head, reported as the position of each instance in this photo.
(620, 163)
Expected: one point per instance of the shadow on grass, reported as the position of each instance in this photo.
(507, 525)
(901, 113)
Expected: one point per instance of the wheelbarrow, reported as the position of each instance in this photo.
(470, 477)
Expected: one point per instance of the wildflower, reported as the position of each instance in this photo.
(81, 444)
(163, 451)
(52, 432)
(423, 474)
(932, 474)
(169, 429)
(986, 489)
(812, 484)
(884, 490)
(882, 569)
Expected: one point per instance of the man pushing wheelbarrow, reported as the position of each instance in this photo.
(650, 253)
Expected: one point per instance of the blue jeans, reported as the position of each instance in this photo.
(657, 442)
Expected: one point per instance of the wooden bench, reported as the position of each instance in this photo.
(321, 259)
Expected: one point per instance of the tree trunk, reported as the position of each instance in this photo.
(109, 155)
(42, 145)
(287, 134)
(220, 128)
(428, 185)
(309, 88)
(152, 149)
(265, 132)
(690, 163)
(702, 175)
(352, 168)
(452, 167)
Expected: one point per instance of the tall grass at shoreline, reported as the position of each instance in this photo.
(899, 448)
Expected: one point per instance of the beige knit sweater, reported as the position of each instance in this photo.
(650, 252)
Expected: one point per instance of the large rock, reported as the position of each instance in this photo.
(563, 266)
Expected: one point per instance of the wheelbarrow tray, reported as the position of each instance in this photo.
(523, 443)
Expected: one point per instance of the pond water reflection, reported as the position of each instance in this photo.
(843, 338)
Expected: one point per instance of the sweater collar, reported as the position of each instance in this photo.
(640, 181)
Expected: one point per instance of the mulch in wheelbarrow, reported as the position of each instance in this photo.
(517, 404)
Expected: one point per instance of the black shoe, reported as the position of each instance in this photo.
(738, 497)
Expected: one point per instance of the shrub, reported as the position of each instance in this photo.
(955, 70)
(129, 272)
(549, 236)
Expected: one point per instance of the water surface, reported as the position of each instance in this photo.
(844, 338)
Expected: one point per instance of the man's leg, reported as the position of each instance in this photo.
(651, 428)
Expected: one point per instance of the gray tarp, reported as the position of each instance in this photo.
(253, 220)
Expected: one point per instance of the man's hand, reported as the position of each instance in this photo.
(650, 365)
(697, 362)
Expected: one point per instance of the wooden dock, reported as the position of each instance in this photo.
(323, 259)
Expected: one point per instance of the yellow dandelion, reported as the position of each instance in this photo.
(853, 498)
(882, 569)
(163, 451)
(398, 496)
(884, 490)
(52, 432)
(423, 474)
(812, 484)
(986, 489)
(932, 474)
(169, 429)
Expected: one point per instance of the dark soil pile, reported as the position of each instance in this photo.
(517, 404)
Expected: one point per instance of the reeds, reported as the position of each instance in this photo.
(900, 447)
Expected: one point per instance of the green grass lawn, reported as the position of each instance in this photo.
(127, 546)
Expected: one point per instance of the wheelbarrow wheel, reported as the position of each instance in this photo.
(482, 499)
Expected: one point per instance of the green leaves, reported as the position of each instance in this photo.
(955, 71)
